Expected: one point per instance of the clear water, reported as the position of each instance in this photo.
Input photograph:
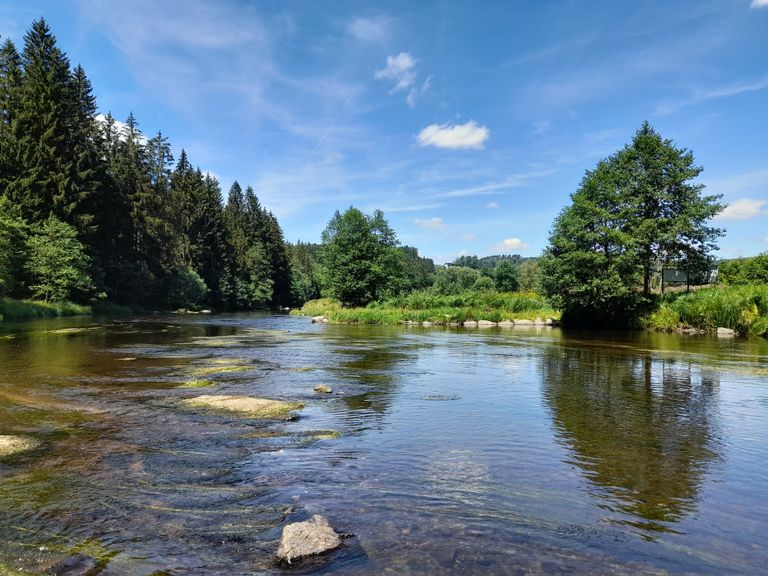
(491, 451)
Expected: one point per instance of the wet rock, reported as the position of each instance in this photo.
(506, 324)
(302, 539)
(470, 323)
(77, 565)
(10, 445)
(485, 324)
(426, 323)
(725, 332)
(323, 389)
(319, 319)
(246, 405)
(524, 322)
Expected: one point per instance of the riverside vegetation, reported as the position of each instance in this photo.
(95, 217)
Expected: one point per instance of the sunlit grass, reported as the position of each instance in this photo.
(425, 306)
(741, 308)
(11, 309)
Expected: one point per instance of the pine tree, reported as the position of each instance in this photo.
(43, 186)
(10, 85)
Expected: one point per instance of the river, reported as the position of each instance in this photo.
(442, 451)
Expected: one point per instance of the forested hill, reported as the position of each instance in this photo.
(91, 208)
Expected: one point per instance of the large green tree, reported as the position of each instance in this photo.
(638, 210)
(359, 257)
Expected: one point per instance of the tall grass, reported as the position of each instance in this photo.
(424, 306)
(11, 309)
(741, 308)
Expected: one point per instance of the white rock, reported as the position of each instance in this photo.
(302, 539)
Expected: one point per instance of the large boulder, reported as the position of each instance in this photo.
(302, 539)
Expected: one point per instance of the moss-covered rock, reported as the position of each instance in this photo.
(245, 405)
(10, 444)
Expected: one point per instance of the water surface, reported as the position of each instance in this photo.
(448, 451)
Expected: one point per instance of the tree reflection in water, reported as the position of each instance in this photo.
(643, 430)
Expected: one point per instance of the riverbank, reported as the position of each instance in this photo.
(11, 309)
(430, 309)
(743, 309)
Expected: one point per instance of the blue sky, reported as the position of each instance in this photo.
(468, 123)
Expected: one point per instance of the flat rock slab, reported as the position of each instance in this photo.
(302, 539)
(246, 405)
(10, 445)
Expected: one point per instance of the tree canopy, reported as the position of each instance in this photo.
(637, 211)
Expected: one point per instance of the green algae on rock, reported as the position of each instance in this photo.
(246, 405)
(195, 383)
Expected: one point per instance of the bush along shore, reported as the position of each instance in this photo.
(469, 309)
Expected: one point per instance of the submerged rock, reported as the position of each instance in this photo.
(246, 405)
(323, 389)
(302, 539)
(10, 445)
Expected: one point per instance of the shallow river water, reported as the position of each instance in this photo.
(442, 451)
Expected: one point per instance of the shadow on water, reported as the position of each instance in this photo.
(644, 430)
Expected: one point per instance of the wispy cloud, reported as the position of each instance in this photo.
(376, 29)
(492, 205)
(468, 136)
(510, 244)
(435, 222)
(513, 181)
(701, 96)
(759, 4)
(401, 69)
(743, 209)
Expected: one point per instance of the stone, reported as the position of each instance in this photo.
(302, 539)
(506, 323)
(10, 445)
(319, 319)
(426, 323)
(323, 389)
(725, 332)
(470, 323)
(523, 322)
(246, 405)
(485, 324)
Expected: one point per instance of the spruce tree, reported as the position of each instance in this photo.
(10, 85)
(42, 131)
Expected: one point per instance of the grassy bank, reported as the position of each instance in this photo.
(427, 307)
(11, 309)
(741, 308)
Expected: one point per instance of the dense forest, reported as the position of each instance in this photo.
(90, 208)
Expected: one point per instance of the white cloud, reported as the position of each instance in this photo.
(492, 205)
(429, 222)
(759, 4)
(455, 137)
(121, 127)
(514, 181)
(743, 209)
(401, 69)
(371, 29)
(511, 244)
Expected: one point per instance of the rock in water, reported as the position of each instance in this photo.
(323, 389)
(302, 539)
